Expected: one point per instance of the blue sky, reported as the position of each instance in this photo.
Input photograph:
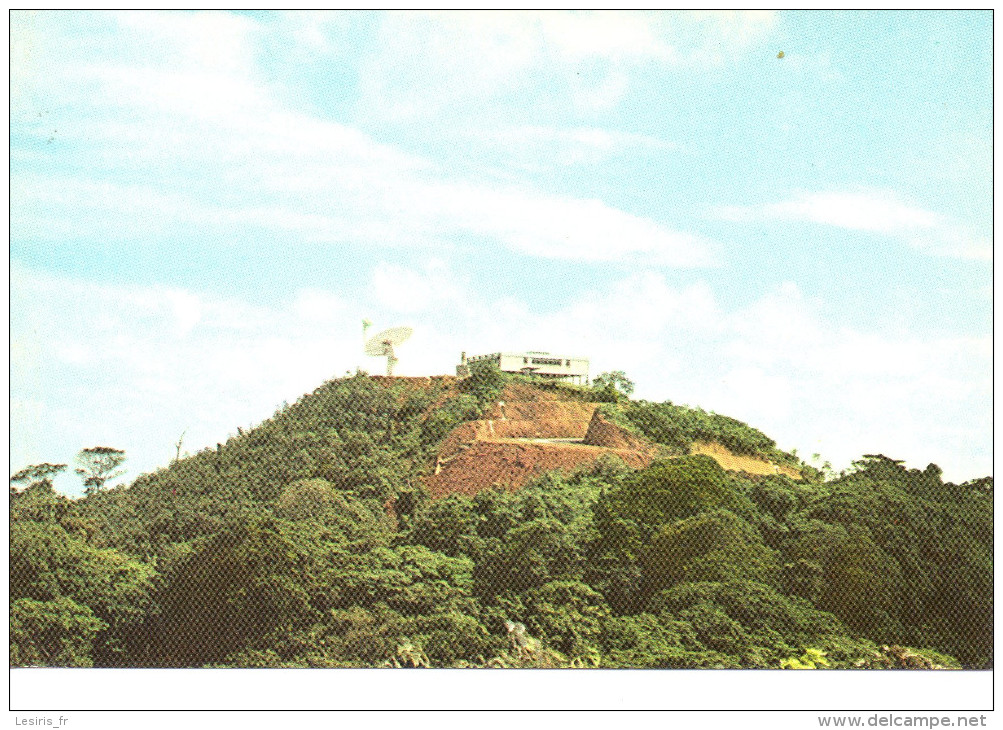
(204, 206)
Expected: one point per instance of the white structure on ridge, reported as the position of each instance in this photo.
(382, 344)
(574, 369)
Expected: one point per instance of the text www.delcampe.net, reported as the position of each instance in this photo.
(890, 720)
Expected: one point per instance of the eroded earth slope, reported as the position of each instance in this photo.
(530, 431)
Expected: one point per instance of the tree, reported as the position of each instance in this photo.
(443, 523)
(647, 641)
(629, 515)
(485, 383)
(97, 465)
(568, 615)
(55, 633)
(711, 546)
(232, 591)
(32, 495)
(526, 556)
(63, 586)
(615, 382)
(36, 474)
(345, 518)
(750, 621)
(177, 445)
(671, 490)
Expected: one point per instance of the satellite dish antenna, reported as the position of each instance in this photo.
(382, 345)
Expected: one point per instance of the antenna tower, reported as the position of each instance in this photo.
(382, 345)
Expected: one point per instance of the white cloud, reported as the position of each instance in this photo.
(873, 211)
(668, 36)
(316, 31)
(954, 240)
(203, 144)
(882, 214)
(843, 392)
(135, 366)
(317, 305)
(432, 62)
(775, 364)
(565, 228)
(216, 40)
(540, 148)
(406, 291)
(614, 35)
(172, 131)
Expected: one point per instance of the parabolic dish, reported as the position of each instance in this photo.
(377, 344)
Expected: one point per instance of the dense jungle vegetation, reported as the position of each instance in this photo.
(309, 542)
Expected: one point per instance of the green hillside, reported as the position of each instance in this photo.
(309, 541)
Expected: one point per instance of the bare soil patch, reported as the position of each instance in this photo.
(741, 462)
(511, 464)
(508, 447)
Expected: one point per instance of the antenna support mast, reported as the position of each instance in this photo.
(382, 345)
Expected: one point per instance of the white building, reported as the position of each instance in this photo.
(575, 369)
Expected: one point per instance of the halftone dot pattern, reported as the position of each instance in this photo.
(501, 522)
(783, 216)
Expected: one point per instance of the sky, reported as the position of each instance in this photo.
(206, 205)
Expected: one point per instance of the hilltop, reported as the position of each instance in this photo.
(503, 521)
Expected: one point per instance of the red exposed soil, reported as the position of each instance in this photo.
(603, 432)
(525, 393)
(502, 449)
(511, 464)
(508, 447)
(527, 412)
